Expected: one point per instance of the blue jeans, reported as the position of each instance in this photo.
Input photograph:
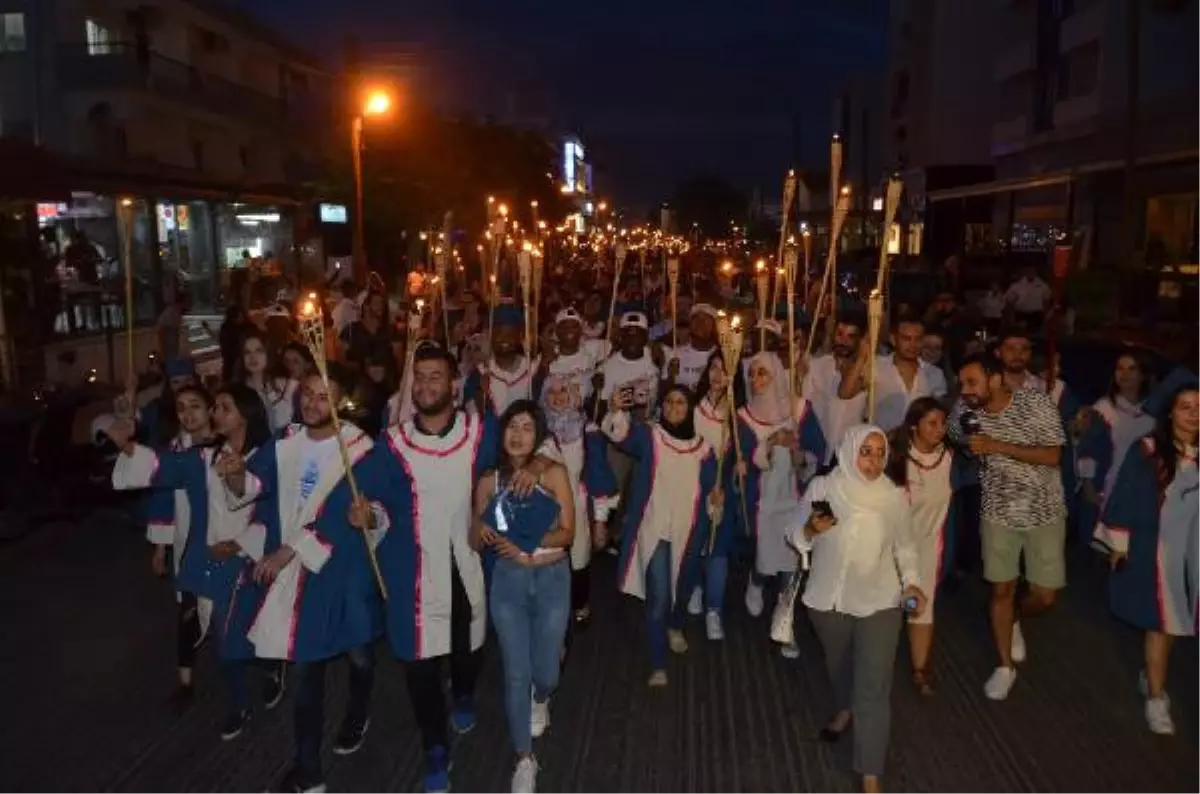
(716, 573)
(661, 611)
(531, 607)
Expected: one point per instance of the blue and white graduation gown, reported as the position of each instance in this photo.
(208, 515)
(595, 488)
(436, 475)
(932, 482)
(1116, 427)
(773, 489)
(1156, 589)
(504, 387)
(667, 500)
(168, 517)
(325, 600)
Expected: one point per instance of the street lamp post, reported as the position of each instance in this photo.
(377, 103)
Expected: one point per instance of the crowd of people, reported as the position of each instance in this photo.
(490, 463)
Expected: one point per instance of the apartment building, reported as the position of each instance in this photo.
(180, 133)
(1061, 126)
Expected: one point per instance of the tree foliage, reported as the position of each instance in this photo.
(422, 165)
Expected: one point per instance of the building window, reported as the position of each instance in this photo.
(12, 32)
(99, 38)
(1077, 72)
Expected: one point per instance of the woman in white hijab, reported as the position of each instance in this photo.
(856, 525)
(782, 442)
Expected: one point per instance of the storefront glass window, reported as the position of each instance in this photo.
(185, 242)
(82, 240)
(255, 250)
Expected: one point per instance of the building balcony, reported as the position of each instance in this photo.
(121, 67)
(1082, 27)
(1015, 60)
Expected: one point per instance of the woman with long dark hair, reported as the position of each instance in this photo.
(221, 546)
(672, 497)
(929, 472)
(530, 591)
(1117, 422)
(1151, 516)
(258, 369)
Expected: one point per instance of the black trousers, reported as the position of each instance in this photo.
(424, 676)
(188, 635)
(581, 588)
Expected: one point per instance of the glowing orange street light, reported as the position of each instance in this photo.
(376, 102)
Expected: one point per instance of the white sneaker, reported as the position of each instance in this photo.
(790, 651)
(754, 599)
(524, 779)
(1018, 644)
(696, 603)
(1158, 716)
(712, 626)
(539, 719)
(1000, 683)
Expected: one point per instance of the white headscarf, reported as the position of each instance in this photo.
(850, 488)
(773, 406)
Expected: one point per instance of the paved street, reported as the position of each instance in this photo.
(86, 666)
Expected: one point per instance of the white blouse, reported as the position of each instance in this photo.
(861, 565)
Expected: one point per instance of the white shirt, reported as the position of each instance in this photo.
(344, 314)
(834, 414)
(861, 565)
(640, 374)
(315, 457)
(991, 305)
(579, 366)
(1028, 295)
(892, 396)
(692, 363)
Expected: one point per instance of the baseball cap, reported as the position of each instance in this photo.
(635, 320)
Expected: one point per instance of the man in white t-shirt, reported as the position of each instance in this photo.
(574, 358)
(633, 367)
(1028, 297)
(687, 364)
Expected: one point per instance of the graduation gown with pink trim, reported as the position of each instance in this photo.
(433, 478)
(325, 601)
(1156, 588)
(211, 517)
(667, 500)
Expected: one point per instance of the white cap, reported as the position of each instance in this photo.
(704, 308)
(567, 314)
(635, 320)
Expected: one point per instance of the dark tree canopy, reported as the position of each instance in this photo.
(710, 201)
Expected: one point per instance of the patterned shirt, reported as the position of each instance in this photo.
(1019, 495)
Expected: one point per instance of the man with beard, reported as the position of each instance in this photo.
(508, 374)
(824, 379)
(321, 600)
(437, 606)
(688, 363)
(900, 378)
(1018, 437)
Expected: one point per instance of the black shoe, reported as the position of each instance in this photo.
(182, 698)
(830, 736)
(234, 724)
(351, 737)
(274, 687)
(583, 618)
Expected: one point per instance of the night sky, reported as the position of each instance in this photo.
(657, 89)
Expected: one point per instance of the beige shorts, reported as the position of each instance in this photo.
(1045, 562)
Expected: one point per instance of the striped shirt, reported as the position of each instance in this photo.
(1016, 494)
